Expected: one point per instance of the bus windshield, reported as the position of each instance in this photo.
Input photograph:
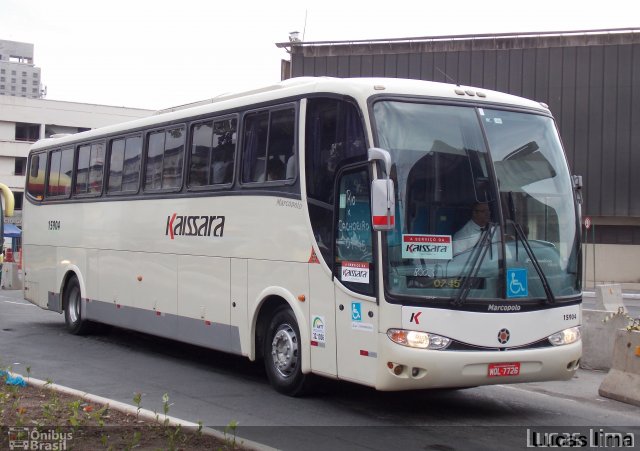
(484, 207)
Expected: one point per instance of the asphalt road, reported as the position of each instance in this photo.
(216, 389)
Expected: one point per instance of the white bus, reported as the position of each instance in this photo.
(314, 224)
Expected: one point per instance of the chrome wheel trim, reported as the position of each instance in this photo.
(284, 351)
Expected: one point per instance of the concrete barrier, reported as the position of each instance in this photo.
(622, 383)
(598, 339)
(609, 297)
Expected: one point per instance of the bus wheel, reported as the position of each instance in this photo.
(73, 309)
(283, 353)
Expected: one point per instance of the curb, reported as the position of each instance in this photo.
(141, 413)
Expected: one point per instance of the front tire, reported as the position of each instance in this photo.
(73, 316)
(283, 354)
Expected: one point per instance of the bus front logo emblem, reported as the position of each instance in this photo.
(503, 336)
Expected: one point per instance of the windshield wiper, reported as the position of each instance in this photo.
(527, 247)
(534, 261)
(476, 258)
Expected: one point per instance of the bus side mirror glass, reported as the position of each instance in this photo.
(383, 205)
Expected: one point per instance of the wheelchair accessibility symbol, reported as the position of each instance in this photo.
(356, 311)
(517, 283)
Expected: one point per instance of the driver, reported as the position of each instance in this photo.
(467, 237)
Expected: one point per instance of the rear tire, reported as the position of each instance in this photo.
(73, 316)
(283, 354)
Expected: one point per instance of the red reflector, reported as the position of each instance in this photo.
(117, 305)
(382, 220)
(314, 343)
(364, 353)
(208, 323)
(158, 314)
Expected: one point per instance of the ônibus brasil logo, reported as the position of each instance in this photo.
(205, 225)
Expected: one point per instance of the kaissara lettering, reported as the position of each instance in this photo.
(202, 225)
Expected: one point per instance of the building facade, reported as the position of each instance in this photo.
(589, 79)
(24, 120)
(19, 76)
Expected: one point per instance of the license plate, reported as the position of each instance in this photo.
(504, 369)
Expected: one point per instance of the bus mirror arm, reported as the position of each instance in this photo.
(381, 155)
(383, 204)
(577, 187)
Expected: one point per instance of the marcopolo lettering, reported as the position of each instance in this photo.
(503, 308)
(204, 225)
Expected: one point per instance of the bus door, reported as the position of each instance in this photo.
(355, 278)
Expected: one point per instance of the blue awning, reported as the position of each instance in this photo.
(11, 231)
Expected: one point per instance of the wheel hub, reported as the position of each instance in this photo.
(284, 350)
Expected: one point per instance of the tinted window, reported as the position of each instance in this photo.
(60, 171)
(90, 169)
(334, 136)
(124, 167)
(35, 182)
(213, 147)
(269, 139)
(165, 157)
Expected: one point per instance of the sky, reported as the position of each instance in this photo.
(158, 54)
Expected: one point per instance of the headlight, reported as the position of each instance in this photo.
(565, 337)
(415, 339)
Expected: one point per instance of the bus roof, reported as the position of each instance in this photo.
(359, 88)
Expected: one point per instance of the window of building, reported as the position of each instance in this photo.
(165, 155)
(89, 169)
(213, 146)
(26, 131)
(20, 166)
(18, 198)
(269, 139)
(124, 167)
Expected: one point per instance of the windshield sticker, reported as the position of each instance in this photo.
(517, 283)
(434, 247)
(357, 272)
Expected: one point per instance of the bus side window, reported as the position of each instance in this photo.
(213, 146)
(269, 144)
(89, 169)
(35, 184)
(60, 173)
(165, 156)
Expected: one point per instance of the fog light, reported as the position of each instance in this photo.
(398, 370)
